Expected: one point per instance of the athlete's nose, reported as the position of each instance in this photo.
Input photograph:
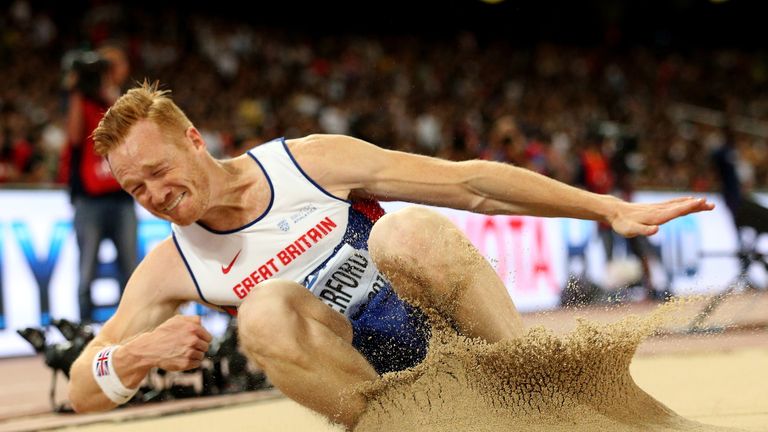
(158, 194)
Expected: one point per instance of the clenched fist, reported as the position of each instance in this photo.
(178, 344)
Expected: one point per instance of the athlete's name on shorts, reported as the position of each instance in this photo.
(284, 257)
(338, 289)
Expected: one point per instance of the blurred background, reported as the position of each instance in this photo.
(403, 75)
(645, 100)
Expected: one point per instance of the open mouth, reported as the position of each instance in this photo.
(174, 203)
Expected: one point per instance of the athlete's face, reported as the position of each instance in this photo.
(166, 178)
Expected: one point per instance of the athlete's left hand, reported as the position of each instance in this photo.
(633, 219)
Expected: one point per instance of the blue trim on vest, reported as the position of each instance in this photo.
(356, 235)
(320, 188)
(266, 212)
(189, 269)
(359, 228)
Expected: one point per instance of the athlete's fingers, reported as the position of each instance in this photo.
(203, 334)
(201, 345)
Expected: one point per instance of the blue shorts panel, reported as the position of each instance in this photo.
(390, 333)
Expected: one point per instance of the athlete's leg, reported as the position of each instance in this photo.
(305, 349)
(429, 260)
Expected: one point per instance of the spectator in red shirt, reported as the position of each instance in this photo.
(102, 209)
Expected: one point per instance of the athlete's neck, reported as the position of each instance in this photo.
(240, 193)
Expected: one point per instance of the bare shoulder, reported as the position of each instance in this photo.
(330, 160)
(341, 151)
(315, 148)
(348, 166)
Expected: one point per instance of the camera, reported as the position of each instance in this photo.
(225, 370)
(85, 70)
(60, 357)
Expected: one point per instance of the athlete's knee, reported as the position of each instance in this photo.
(269, 320)
(412, 229)
(422, 253)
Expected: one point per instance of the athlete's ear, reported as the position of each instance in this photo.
(195, 137)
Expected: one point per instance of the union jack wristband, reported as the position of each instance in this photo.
(106, 377)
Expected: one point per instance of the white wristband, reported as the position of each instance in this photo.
(105, 375)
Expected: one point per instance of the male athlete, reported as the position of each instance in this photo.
(290, 238)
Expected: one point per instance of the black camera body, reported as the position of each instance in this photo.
(225, 371)
(89, 68)
(60, 357)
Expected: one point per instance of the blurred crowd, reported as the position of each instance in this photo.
(654, 113)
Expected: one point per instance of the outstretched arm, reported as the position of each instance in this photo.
(478, 186)
(146, 329)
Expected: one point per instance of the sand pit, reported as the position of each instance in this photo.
(577, 381)
(726, 388)
(542, 381)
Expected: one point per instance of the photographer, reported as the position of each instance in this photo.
(102, 209)
(745, 210)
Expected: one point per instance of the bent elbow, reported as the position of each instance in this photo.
(478, 204)
(76, 406)
(84, 400)
(82, 404)
(76, 402)
(80, 401)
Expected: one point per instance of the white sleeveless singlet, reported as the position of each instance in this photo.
(305, 235)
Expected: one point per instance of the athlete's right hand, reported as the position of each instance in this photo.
(178, 344)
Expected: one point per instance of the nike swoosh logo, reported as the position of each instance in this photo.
(226, 269)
